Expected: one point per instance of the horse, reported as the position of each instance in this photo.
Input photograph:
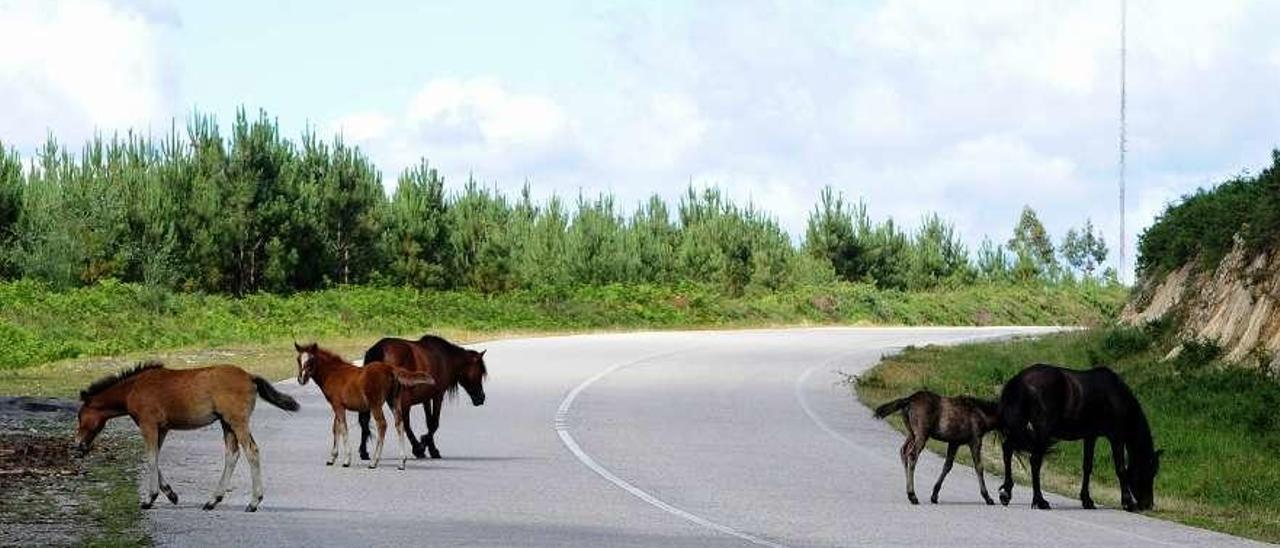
(160, 399)
(1044, 403)
(449, 364)
(955, 420)
(361, 389)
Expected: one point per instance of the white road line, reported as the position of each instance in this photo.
(804, 404)
(562, 428)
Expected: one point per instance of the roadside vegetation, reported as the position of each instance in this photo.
(1217, 424)
(39, 325)
(1203, 225)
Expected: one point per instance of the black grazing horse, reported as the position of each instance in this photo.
(1044, 403)
(450, 365)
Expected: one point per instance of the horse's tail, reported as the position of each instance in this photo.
(892, 407)
(268, 392)
(409, 377)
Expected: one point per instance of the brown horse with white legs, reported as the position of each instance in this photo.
(451, 366)
(960, 420)
(361, 389)
(160, 400)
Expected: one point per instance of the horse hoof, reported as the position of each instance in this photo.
(435, 454)
(1088, 505)
(989, 501)
(346, 464)
(373, 466)
(145, 505)
(173, 497)
(933, 499)
(912, 497)
(1005, 497)
(251, 508)
(1040, 505)
(208, 505)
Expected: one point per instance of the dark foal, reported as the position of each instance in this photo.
(956, 420)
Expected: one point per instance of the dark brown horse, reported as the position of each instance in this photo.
(159, 400)
(1044, 403)
(960, 420)
(361, 389)
(449, 364)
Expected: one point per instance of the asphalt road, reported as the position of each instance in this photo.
(736, 438)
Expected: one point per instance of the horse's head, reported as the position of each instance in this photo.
(472, 376)
(1142, 479)
(306, 361)
(90, 421)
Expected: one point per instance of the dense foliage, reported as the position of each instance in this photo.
(255, 212)
(1204, 225)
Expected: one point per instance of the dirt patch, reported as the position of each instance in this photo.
(46, 493)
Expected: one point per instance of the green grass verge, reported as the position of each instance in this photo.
(1217, 425)
(39, 325)
(112, 499)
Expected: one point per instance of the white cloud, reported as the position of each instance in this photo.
(486, 111)
(362, 126)
(70, 66)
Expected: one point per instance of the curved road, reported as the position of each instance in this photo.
(738, 438)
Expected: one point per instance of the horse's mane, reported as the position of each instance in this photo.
(459, 355)
(316, 351)
(101, 385)
(442, 344)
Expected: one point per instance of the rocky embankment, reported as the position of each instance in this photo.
(1234, 305)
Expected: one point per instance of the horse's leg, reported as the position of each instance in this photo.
(231, 454)
(1037, 498)
(337, 435)
(975, 450)
(433, 424)
(346, 440)
(400, 437)
(1087, 468)
(905, 454)
(250, 447)
(164, 485)
(151, 437)
(1122, 472)
(363, 417)
(917, 444)
(1006, 487)
(381, 421)
(405, 404)
(946, 468)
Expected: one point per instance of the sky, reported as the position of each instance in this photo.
(970, 109)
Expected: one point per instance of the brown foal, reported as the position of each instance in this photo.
(361, 389)
(160, 400)
(956, 420)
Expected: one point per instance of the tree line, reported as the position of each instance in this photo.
(253, 211)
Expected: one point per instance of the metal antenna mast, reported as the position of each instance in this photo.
(1123, 39)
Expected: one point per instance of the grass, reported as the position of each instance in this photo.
(39, 325)
(1217, 425)
(112, 498)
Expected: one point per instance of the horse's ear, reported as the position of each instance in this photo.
(296, 346)
(84, 395)
(482, 352)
